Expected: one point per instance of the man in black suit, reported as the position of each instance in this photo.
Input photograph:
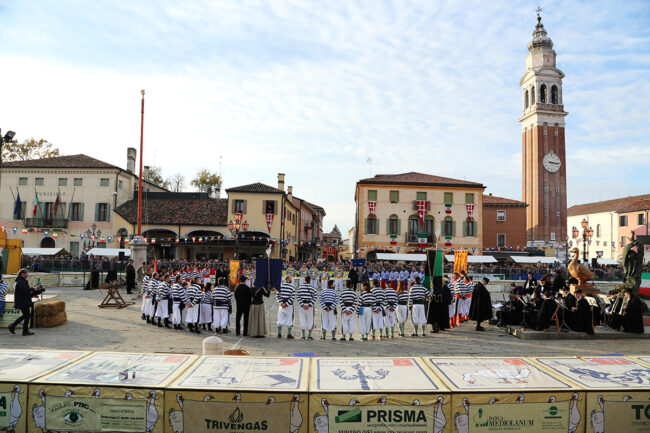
(23, 295)
(633, 318)
(130, 277)
(353, 276)
(582, 317)
(530, 283)
(243, 298)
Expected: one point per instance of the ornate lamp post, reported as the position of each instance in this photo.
(235, 228)
(587, 234)
(93, 234)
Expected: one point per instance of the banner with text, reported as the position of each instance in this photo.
(381, 419)
(95, 414)
(221, 417)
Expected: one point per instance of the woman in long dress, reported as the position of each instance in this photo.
(257, 318)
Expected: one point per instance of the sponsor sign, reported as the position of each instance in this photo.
(628, 416)
(95, 414)
(223, 417)
(381, 419)
(10, 315)
(5, 407)
(522, 418)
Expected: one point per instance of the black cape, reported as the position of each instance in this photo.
(545, 314)
(481, 307)
(582, 320)
(633, 319)
(438, 314)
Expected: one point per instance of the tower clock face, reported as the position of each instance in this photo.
(552, 162)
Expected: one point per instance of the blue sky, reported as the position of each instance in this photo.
(313, 89)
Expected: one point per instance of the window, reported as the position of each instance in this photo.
(501, 240)
(470, 228)
(469, 198)
(239, 206)
(77, 181)
(449, 198)
(63, 181)
(448, 227)
(372, 226)
(393, 225)
(557, 213)
(22, 181)
(552, 236)
(119, 184)
(104, 181)
(38, 181)
(76, 212)
(429, 223)
(48, 210)
(372, 195)
(641, 219)
(74, 249)
(597, 230)
(501, 215)
(20, 212)
(271, 207)
(542, 94)
(414, 228)
(532, 96)
(526, 100)
(394, 196)
(622, 221)
(421, 195)
(554, 98)
(101, 212)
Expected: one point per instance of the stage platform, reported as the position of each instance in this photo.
(602, 333)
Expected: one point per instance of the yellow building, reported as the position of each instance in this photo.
(388, 220)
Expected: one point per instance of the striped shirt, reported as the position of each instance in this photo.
(178, 293)
(367, 299)
(163, 292)
(306, 295)
(378, 293)
(349, 301)
(195, 294)
(403, 297)
(291, 272)
(390, 298)
(418, 294)
(286, 294)
(468, 288)
(153, 287)
(221, 298)
(144, 286)
(207, 297)
(4, 288)
(328, 298)
(338, 274)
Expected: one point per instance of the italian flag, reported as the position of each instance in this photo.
(36, 203)
(645, 284)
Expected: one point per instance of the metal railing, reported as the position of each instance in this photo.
(46, 222)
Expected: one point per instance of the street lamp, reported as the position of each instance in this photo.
(587, 234)
(8, 137)
(93, 234)
(235, 228)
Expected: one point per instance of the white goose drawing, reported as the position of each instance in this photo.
(574, 414)
(296, 416)
(176, 416)
(38, 412)
(440, 420)
(321, 422)
(462, 420)
(152, 412)
(16, 409)
(597, 418)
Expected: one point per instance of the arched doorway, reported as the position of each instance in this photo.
(122, 236)
(48, 242)
(161, 243)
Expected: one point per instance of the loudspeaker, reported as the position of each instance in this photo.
(120, 255)
(594, 263)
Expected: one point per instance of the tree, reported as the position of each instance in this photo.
(336, 231)
(207, 182)
(28, 149)
(176, 182)
(154, 175)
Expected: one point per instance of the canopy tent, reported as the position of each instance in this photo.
(112, 252)
(402, 257)
(534, 260)
(474, 259)
(607, 262)
(43, 251)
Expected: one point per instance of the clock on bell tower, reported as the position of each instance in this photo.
(542, 129)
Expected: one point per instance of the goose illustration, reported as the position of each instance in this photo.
(38, 412)
(16, 409)
(296, 416)
(353, 401)
(152, 412)
(551, 399)
(321, 422)
(207, 397)
(128, 396)
(440, 420)
(493, 400)
(176, 416)
(598, 417)
(627, 397)
(96, 393)
(416, 402)
(574, 414)
(462, 420)
(382, 400)
(270, 400)
(520, 398)
(237, 397)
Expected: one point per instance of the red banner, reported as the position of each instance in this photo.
(269, 221)
(422, 209)
(470, 211)
(372, 205)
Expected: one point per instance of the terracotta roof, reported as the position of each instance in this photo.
(643, 204)
(492, 200)
(604, 206)
(205, 212)
(414, 178)
(67, 161)
(255, 187)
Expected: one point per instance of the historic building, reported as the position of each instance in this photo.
(542, 129)
(504, 223)
(310, 228)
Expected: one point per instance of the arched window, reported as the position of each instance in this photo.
(448, 227)
(532, 96)
(414, 228)
(393, 225)
(598, 230)
(526, 100)
(429, 224)
(542, 94)
(554, 96)
(469, 228)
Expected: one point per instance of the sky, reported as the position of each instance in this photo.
(315, 89)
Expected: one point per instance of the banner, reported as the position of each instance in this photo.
(234, 272)
(222, 417)
(5, 407)
(470, 212)
(372, 205)
(381, 419)
(630, 414)
(262, 268)
(460, 261)
(522, 418)
(422, 209)
(10, 315)
(95, 414)
(269, 221)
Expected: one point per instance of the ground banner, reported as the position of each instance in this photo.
(378, 395)
(223, 394)
(618, 390)
(508, 394)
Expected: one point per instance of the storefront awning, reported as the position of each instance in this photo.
(533, 260)
(474, 259)
(402, 257)
(43, 251)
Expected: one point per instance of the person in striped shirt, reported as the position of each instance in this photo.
(285, 307)
(402, 306)
(349, 305)
(338, 279)
(455, 296)
(222, 306)
(179, 300)
(390, 308)
(144, 288)
(377, 309)
(194, 294)
(306, 299)
(366, 302)
(163, 297)
(328, 301)
(150, 294)
(417, 298)
(4, 288)
(205, 318)
(467, 290)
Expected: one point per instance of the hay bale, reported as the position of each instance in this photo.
(49, 308)
(51, 321)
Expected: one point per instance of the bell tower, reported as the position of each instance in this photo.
(542, 132)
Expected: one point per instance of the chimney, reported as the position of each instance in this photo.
(281, 181)
(145, 172)
(290, 192)
(130, 159)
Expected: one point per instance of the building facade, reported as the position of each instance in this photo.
(504, 223)
(543, 145)
(310, 228)
(410, 211)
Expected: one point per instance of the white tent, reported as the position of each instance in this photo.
(112, 252)
(606, 262)
(474, 259)
(535, 259)
(402, 257)
(43, 251)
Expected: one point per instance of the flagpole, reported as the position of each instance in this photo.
(140, 177)
(71, 201)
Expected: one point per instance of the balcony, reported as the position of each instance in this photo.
(412, 238)
(59, 223)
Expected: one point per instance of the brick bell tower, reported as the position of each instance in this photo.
(542, 132)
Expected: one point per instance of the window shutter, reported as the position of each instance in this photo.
(81, 212)
(442, 227)
(108, 211)
(365, 226)
(264, 207)
(96, 211)
(453, 228)
(465, 228)
(388, 227)
(245, 205)
(399, 226)
(377, 226)
(475, 227)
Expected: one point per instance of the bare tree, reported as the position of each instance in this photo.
(176, 183)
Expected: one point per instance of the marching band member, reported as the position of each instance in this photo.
(205, 273)
(348, 308)
(468, 289)
(377, 309)
(367, 302)
(144, 290)
(338, 279)
(179, 300)
(163, 296)
(417, 297)
(390, 308)
(328, 301)
(194, 294)
(285, 307)
(221, 306)
(206, 306)
(402, 306)
(306, 299)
